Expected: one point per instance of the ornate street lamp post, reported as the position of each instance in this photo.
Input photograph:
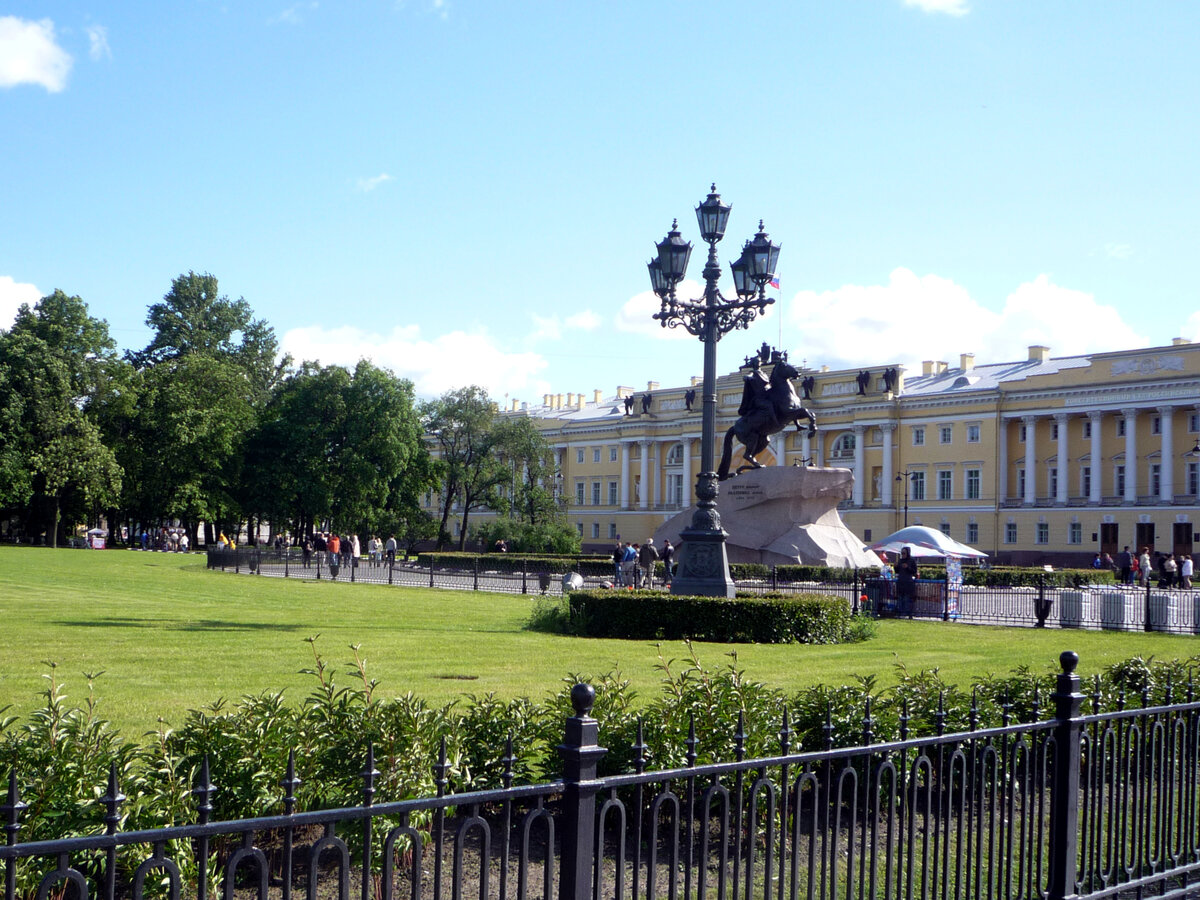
(703, 560)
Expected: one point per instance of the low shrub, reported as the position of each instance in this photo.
(765, 619)
(584, 564)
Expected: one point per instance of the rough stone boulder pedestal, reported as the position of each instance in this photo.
(783, 514)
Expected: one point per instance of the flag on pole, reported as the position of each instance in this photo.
(774, 282)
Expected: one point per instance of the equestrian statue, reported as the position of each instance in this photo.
(768, 405)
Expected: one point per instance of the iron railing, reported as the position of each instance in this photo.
(1097, 805)
(1102, 606)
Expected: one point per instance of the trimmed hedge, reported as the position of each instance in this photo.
(1021, 576)
(767, 619)
(791, 573)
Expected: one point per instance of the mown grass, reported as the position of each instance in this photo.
(169, 635)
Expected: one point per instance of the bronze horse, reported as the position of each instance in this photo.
(768, 406)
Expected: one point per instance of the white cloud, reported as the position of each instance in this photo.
(98, 39)
(912, 318)
(637, 315)
(30, 55)
(293, 15)
(435, 365)
(552, 327)
(12, 295)
(369, 184)
(950, 7)
(1118, 251)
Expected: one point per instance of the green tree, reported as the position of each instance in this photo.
(55, 362)
(461, 425)
(533, 496)
(194, 318)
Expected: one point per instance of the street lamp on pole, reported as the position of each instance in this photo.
(907, 477)
(703, 560)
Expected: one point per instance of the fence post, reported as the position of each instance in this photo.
(431, 570)
(287, 558)
(525, 581)
(1146, 612)
(476, 587)
(580, 754)
(1042, 611)
(774, 578)
(946, 599)
(1064, 787)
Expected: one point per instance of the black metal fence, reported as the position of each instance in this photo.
(1109, 607)
(1098, 805)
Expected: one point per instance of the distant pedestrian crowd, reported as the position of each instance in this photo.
(633, 564)
(1165, 570)
(343, 551)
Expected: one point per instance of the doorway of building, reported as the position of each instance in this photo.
(1181, 534)
(1145, 536)
(1109, 534)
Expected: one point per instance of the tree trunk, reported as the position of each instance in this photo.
(54, 530)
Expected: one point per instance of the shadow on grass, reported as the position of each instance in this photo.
(200, 625)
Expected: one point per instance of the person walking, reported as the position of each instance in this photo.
(390, 550)
(668, 554)
(1144, 567)
(647, 557)
(1125, 565)
(629, 565)
(906, 581)
(1185, 571)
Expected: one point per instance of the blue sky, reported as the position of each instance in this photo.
(468, 191)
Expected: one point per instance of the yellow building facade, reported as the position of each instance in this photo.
(1045, 460)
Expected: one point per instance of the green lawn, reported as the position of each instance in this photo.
(169, 635)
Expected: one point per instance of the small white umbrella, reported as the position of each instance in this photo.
(924, 541)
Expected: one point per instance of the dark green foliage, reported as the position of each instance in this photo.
(513, 562)
(767, 619)
(822, 574)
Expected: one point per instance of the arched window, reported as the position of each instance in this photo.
(843, 447)
(675, 455)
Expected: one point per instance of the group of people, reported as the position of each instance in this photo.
(1174, 569)
(169, 540)
(633, 564)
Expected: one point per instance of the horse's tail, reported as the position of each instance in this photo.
(726, 456)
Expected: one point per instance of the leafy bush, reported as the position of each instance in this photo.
(766, 619)
(515, 562)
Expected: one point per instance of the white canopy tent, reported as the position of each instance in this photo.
(924, 541)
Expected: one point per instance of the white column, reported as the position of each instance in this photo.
(658, 473)
(885, 489)
(644, 500)
(1060, 496)
(1030, 423)
(806, 448)
(1096, 418)
(859, 451)
(688, 478)
(1130, 455)
(624, 475)
(1002, 461)
(778, 443)
(1166, 469)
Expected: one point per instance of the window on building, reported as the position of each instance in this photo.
(595, 493)
(579, 489)
(1085, 481)
(612, 493)
(973, 481)
(1156, 424)
(1020, 482)
(867, 535)
(1054, 431)
(1155, 479)
(1193, 478)
(945, 486)
(612, 455)
(1075, 533)
(918, 486)
(1121, 427)
(1119, 480)
(918, 434)
(1043, 533)
(675, 455)
(1194, 422)
(595, 454)
(1052, 481)
(946, 529)
(972, 532)
(1021, 433)
(579, 456)
(972, 434)
(945, 434)
(1087, 428)
(1010, 532)
(579, 525)
(595, 529)
(843, 447)
(612, 529)
(675, 490)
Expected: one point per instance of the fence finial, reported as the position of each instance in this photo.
(1068, 660)
(583, 698)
